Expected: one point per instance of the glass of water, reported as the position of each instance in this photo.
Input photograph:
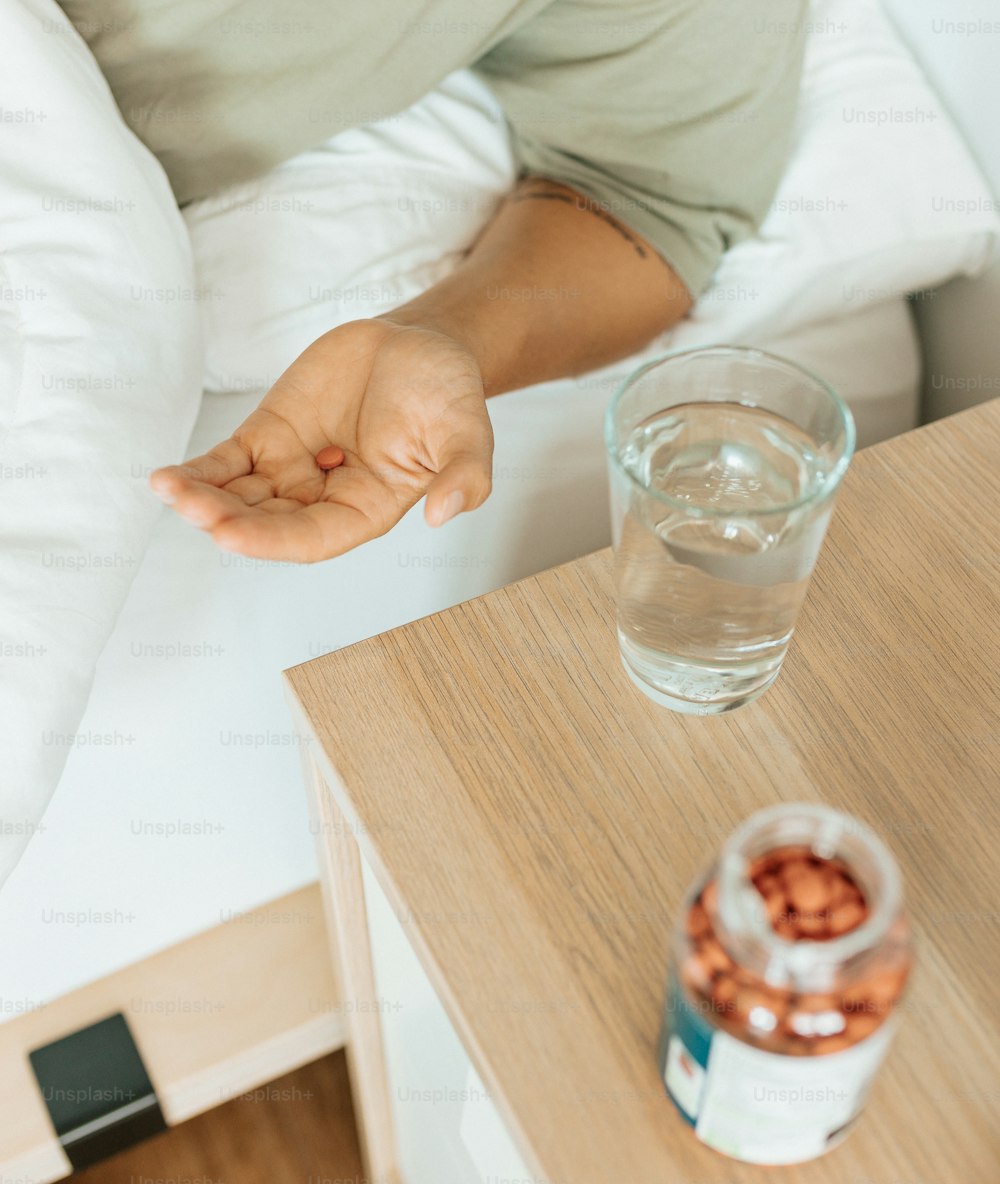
(724, 464)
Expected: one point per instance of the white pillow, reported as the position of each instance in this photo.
(100, 366)
(881, 197)
(957, 42)
(352, 228)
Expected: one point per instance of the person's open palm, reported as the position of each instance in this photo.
(405, 404)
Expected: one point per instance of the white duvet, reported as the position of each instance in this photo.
(100, 376)
(102, 314)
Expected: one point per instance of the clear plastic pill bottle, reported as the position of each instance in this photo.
(789, 960)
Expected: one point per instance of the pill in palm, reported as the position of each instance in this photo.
(330, 457)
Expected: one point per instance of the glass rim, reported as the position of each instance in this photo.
(830, 481)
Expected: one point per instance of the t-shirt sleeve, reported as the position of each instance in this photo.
(675, 116)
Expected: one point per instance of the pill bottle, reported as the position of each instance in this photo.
(789, 959)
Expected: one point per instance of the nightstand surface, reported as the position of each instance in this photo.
(534, 819)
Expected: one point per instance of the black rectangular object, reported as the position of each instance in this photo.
(97, 1091)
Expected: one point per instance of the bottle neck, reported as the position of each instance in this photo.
(743, 925)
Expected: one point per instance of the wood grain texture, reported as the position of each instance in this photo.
(213, 1016)
(536, 820)
(347, 925)
(298, 1129)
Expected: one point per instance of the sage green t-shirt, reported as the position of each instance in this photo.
(676, 114)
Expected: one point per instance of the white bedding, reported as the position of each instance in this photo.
(204, 740)
(186, 729)
(100, 371)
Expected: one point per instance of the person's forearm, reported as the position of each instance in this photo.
(552, 287)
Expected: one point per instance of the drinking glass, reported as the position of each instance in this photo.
(724, 464)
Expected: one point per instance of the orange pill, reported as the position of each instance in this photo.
(724, 992)
(710, 898)
(813, 925)
(715, 957)
(885, 988)
(847, 916)
(777, 907)
(330, 457)
(877, 994)
(814, 1003)
(785, 927)
(695, 974)
(795, 870)
(860, 1025)
(808, 893)
(763, 865)
(697, 922)
(746, 978)
(838, 889)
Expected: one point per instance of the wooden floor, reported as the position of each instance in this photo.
(301, 1131)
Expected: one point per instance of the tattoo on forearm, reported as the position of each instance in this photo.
(588, 207)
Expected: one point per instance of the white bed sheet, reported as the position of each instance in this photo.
(189, 693)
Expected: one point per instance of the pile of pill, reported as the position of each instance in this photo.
(807, 898)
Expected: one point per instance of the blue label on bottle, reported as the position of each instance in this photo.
(687, 1041)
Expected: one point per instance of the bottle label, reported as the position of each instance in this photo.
(763, 1107)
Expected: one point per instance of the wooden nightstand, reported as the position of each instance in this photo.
(507, 827)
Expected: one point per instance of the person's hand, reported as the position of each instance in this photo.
(406, 405)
